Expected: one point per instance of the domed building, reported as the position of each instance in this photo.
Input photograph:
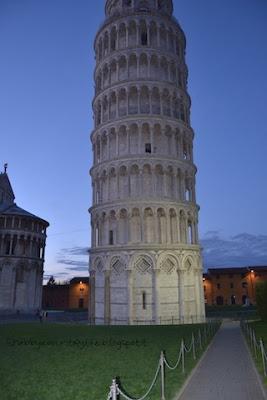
(145, 261)
(22, 251)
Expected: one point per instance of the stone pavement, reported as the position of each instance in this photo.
(226, 372)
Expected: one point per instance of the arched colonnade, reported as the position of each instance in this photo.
(138, 99)
(138, 32)
(141, 181)
(147, 225)
(137, 138)
(135, 66)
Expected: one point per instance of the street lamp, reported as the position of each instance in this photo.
(251, 282)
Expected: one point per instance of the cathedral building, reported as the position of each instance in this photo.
(145, 259)
(22, 251)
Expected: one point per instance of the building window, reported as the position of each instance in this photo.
(230, 276)
(244, 285)
(231, 285)
(144, 39)
(218, 286)
(204, 288)
(81, 289)
(219, 300)
(144, 300)
(148, 147)
(217, 276)
(81, 303)
(233, 299)
(111, 238)
(244, 300)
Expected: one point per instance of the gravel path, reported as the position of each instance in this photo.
(226, 372)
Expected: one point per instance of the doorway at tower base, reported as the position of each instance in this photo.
(146, 289)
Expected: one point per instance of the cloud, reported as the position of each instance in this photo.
(72, 262)
(55, 275)
(78, 269)
(75, 257)
(75, 251)
(240, 250)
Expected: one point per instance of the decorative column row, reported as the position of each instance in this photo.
(157, 228)
(15, 244)
(138, 183)
(141, 139)
(137, 101)
(133, 33)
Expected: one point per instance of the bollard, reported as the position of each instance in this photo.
(263, 357)
(193, 346)
(162, 375)
(182, 349)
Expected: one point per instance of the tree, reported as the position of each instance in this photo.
(261, 299)
(51, 281)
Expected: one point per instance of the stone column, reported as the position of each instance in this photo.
(107, 298)
(197, 294)
(181, 295)
(91, 307)
(156, 311)
(130, 296)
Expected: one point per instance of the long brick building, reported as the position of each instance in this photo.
(222, 286)
(230, 286)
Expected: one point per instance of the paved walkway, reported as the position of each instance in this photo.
(226, 372)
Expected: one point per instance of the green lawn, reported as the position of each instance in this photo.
(69, 362)
(260, 329)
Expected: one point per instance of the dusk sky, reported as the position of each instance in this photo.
(46, 90)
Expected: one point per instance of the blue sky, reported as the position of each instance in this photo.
(46, 81)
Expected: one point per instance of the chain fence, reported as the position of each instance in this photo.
(256, 345)
(172, 320)
(196, 346)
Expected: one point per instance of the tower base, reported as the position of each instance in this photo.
(146, 287)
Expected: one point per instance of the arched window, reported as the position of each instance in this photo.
(219, 300)
(190, 233)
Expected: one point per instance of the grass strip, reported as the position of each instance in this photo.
(56, 361)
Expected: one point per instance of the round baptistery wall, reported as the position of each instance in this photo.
(22, 252)
(143, 175)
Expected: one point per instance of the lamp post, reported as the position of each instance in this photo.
(251, 283)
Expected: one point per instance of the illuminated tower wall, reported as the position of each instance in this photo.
(145, 261)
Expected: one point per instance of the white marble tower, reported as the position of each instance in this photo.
(145, 261)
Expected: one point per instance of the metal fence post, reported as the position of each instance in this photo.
(113, 390)
(263, 357)
(182, 349)
(162, 375)
(193, 346)
(254, 344)
(205, 334)
(200, 339)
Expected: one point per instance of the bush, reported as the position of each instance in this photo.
(261, 299)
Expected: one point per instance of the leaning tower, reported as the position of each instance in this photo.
(145, 262)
